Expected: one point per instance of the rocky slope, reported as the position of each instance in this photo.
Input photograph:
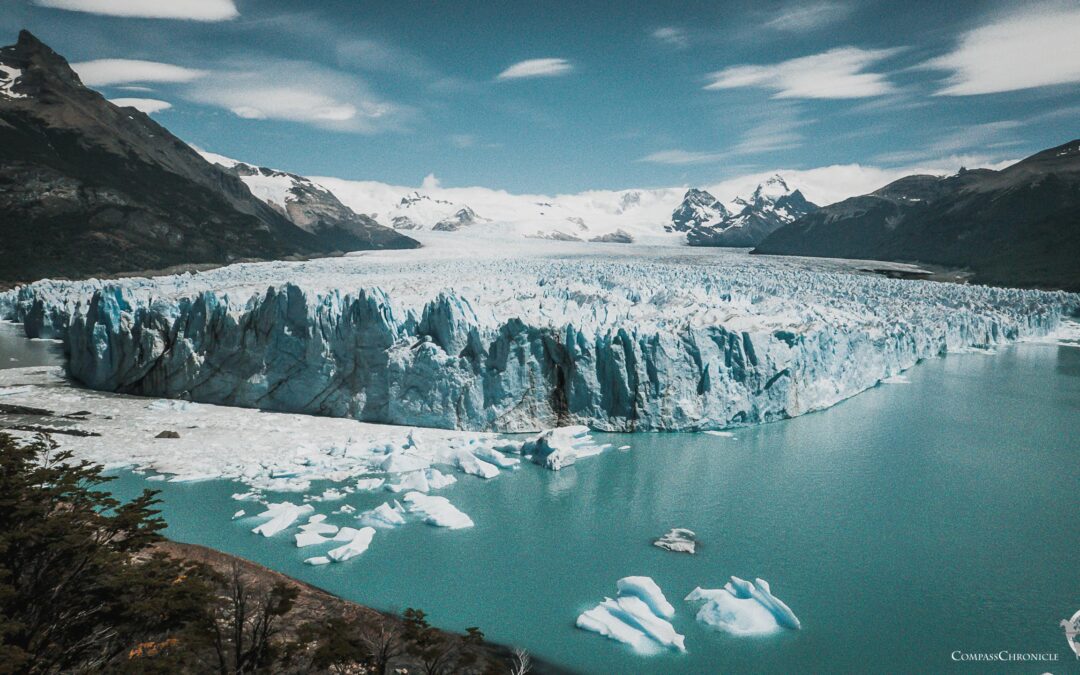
(1016, 227)
(311, 207)
(87, 187)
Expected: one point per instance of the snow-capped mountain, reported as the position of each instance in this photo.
(745, 221)
(417, 211)
(698, 208)
(309, 206)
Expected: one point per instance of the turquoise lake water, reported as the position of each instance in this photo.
(902, 525)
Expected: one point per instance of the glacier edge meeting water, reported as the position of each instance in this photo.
(657, 341)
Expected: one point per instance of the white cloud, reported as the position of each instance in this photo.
(431, 182)
(105, 72)
(1035, 48)
(837, 73)
(297, 91)
(191, 10)
(672, 36)
(536, 68)
(146, 105)
(683, 157)
(808, 16)
(462, 141)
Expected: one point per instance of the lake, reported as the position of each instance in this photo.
(909, 522)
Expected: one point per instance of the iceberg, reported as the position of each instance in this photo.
(369, 483)
(469, 463)
(743, 608)
(679, 540)
(647, 590)
(437, 511)
(383, 516)
(656, 339)
(417, 480)
(281, 516)
(357, 545)
(638, 616)
(310, 539)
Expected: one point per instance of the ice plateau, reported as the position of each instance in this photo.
(508, 340)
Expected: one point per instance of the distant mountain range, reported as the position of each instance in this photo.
(87, 187)
(746, 222)
(1016, 227)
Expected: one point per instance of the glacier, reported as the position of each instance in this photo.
(508, 340)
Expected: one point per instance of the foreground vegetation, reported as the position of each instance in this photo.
(87, 584)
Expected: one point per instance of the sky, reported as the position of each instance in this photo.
(559, 97)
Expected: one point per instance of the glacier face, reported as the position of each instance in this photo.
(652, 339)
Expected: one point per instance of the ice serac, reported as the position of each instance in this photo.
(643, 342)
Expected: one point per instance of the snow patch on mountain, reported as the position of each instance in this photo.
(9, 77)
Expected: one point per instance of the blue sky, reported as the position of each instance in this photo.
(566, 96)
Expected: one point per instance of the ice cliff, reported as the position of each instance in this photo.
(664, 340)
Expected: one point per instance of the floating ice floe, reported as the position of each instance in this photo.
(638, 616)
(370, 483)
(743, 608)
(355, 546)
(318, 560)
(384, 516)
(561, 447)
(238, 514)
(309, 538)
(281, 515)
(437, 511)
(721, 434)
(679, 540)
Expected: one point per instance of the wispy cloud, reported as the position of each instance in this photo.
(462, 141)
(190, 10)
(105, 72)
(299, 91)
(1037, 48)
(780, 132)
(146, 105)
(679, 157)
(800, 17)
(968, 142)
(672, 36)
(838, 73)
(536, 68)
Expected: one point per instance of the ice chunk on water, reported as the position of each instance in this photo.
(319, 528)
(416, 480)
(359, 543)
(638, 617)
(636, 612)
(561, 447)
(743, 608)
(600, 620)
(436, 511)
(281, 515)
(383, 516)
(490, 454)
(679, 540)
(402, 462)
(437, 480)
(310, 539)
(370, 483)
(318, 560)
(239, 514)
(646, 589)
(469, 463)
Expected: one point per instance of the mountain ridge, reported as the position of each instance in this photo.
(87, 187)
(1019, 226)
